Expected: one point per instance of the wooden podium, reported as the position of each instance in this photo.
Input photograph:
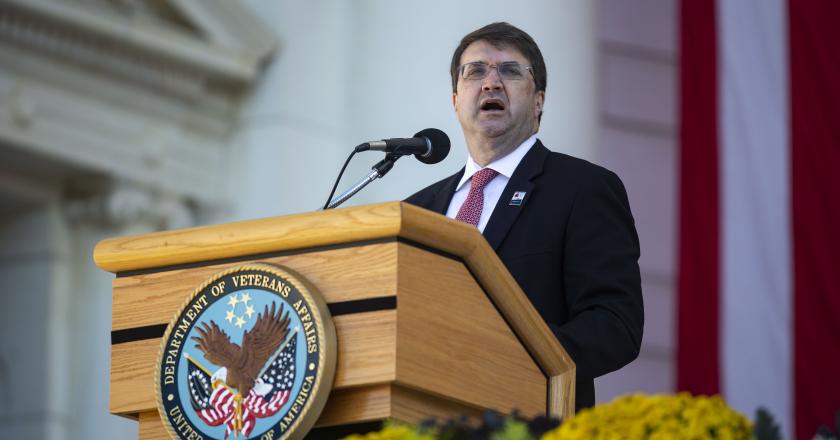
(428, 320)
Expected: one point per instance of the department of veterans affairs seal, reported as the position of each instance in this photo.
(251, 354)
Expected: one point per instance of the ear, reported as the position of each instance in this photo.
(455, 101)
(539, 100)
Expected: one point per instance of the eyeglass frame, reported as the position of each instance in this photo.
(462, 67)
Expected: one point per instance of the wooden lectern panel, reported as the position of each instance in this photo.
(446, 320)
(451, 332)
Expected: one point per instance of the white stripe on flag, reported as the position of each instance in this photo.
(756, 273)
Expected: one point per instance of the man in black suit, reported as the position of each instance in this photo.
(561, 225)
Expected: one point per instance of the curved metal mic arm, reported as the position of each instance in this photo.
(377, 171)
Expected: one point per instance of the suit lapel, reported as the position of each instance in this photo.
(505, 214)
(440, 203)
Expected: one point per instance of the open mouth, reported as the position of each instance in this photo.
(492, 105)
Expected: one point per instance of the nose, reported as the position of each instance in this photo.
(493, 81)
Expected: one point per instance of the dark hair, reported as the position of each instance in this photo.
(502, 35)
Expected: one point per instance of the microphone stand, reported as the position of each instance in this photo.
(377, 171)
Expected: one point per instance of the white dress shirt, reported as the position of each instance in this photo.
(504, 166)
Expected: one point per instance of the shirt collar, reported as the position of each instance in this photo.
(504, 165)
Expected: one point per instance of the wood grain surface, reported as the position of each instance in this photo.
(249, 237)
(452, 342)
(338, 274)
(356, 405)
(151, 427)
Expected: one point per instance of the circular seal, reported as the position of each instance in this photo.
(251, 354)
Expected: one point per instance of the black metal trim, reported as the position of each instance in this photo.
(336, 309)
(137, 333)
(363, 305)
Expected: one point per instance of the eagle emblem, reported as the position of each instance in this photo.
(253, 380)
(251, 354)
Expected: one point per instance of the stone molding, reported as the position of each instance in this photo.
(127, 205)
(160, 57)
(114, 92)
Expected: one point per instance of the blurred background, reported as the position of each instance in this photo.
(129, 116)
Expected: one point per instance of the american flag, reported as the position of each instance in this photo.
(214, 403)
(280, 372)
(759, 289)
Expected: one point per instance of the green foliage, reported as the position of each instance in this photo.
(512, 430)
(492, 426)
(766, 427)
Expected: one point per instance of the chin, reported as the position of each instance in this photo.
(487, 125)
(494, 131)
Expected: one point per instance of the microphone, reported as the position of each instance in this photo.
(428, 146)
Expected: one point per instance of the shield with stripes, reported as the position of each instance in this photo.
(251, 353)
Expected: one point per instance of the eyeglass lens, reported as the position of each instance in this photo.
(478, 70)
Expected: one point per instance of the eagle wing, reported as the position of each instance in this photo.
(216, 345)
(263, 339)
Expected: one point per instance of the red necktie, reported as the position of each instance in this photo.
(470, 211)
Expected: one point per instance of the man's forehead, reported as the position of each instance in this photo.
(481, 45)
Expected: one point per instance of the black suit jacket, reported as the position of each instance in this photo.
(572, 247)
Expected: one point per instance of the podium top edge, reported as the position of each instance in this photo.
(284, 233)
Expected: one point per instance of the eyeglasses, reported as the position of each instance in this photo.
(508, 71)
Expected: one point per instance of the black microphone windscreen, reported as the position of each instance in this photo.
(440, 145)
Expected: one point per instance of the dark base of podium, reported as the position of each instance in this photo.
(341, 431)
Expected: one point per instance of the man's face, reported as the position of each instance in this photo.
(492, 107)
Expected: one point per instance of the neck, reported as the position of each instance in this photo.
(486, 150)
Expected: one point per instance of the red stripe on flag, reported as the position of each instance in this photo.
(697, 311)
(815, 157)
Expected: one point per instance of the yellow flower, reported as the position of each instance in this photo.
(657, 417)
